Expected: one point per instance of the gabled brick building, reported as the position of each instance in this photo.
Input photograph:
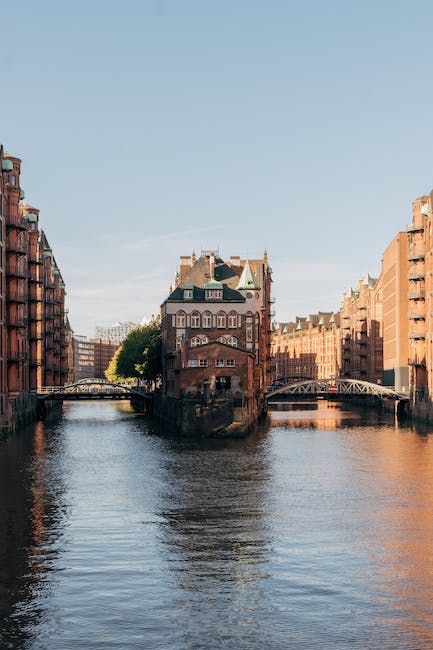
(216, 328)
(32, 294)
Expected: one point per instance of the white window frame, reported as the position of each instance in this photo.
(233, 320)
(207, 320)
(202, 363)
(230, 363)
(219, 363)
(195, 320)
(232, 340)
(221, 320)
(180, 319)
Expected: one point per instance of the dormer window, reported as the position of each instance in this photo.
(187, 294)
(213, 294)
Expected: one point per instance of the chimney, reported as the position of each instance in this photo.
(185, 265)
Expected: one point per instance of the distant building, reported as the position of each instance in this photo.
(84, 358)
(346, 344)
(103, 352)
(117, 332)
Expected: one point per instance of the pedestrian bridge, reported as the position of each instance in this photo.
(341, 388)
(87, 389)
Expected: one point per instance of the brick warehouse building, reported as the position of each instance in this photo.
(216, 329)
(32, 323)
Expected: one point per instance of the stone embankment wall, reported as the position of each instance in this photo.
(220, 417)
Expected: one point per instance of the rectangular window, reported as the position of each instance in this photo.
(187, 294)
(195, 320)
(202, 363)
(219, 363)
(192, 363)
(230, 363)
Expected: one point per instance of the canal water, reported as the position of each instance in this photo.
(314, 532)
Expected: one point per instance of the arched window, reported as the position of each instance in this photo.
(180, 319)
(233, 320)
(232, 340)
(221, 319)
(222, 339)
(198, 340)
(195, 319)
(207, 319)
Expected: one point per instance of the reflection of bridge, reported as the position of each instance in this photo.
(92, 389)
(341, 388)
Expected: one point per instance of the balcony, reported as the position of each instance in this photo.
(16, 320)
(17, 294)
(413, 228)
(416, 254)
(34, 294)
(16, 357)
(15, 269)
(420, 363)
(416, 315)
(16, 246)
(16, 221)
(416, 276)
(417, 336)
(418, 295)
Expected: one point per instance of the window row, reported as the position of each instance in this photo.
(219, 363)
(207, 320)
(202, 340)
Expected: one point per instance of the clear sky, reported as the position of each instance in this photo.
(151, 128)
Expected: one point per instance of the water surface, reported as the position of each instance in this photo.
(314, 532)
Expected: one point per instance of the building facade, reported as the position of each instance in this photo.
(103, 352)
(395, 289)
(84, 358)
(216, 328)
(309, 348)
(325, 345)
(32, 330)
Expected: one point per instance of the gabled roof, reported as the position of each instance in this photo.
(247, 279)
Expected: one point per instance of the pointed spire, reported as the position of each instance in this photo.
(193, 258)
(321, 321)
(247, 279)
(265, 257)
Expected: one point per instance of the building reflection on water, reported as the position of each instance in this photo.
(319, 414)
(214, 514)
(30, 516)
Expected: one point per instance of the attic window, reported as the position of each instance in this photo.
(213, 294)
(187, 294)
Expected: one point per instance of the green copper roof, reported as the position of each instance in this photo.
(213, 284)
(22, 194)
(7, 165)
(31, 217)
(247, 279)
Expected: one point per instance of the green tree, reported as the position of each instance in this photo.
(139, 357)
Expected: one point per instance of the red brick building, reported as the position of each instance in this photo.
(32, 318)
(103, 352)
(216, 327)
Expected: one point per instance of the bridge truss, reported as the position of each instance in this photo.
(336, 387)
(91, 389)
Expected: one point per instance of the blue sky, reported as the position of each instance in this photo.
(149, 129)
